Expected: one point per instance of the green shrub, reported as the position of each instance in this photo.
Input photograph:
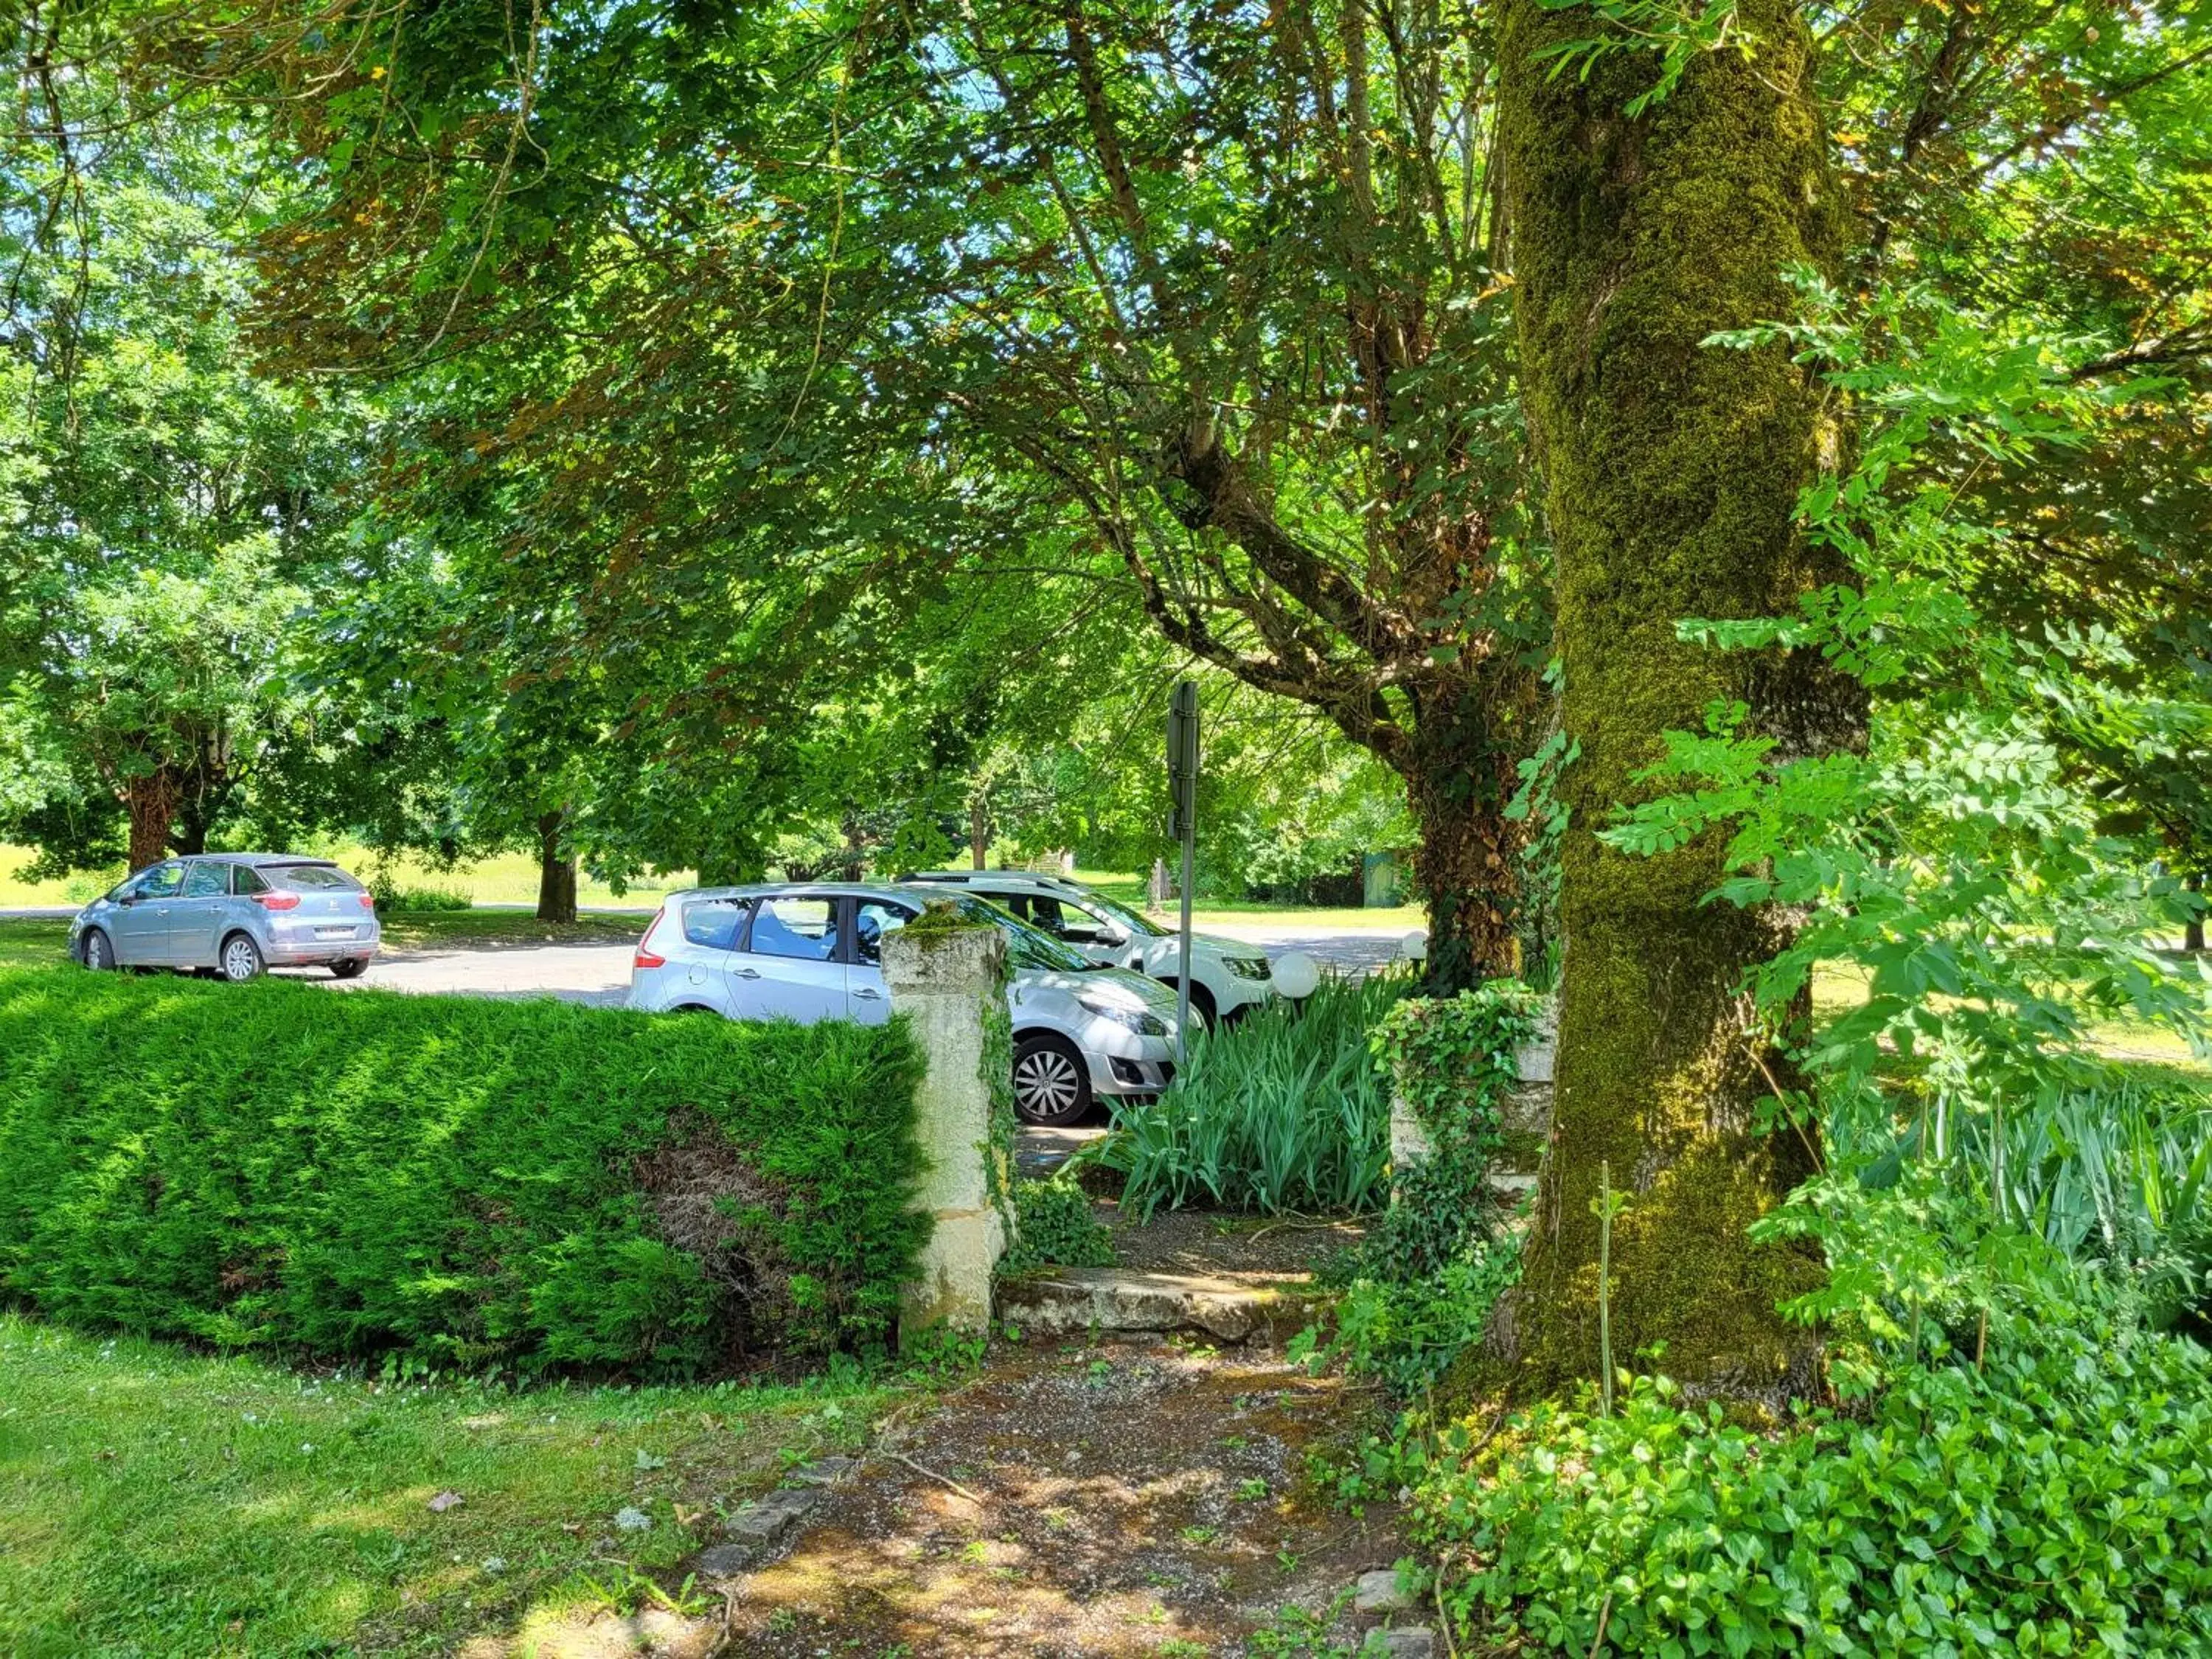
(1055, 1227)
(2118, 1175)
(1282, 1111)
(390, 895)
(484, 1182)
(1406, 1332)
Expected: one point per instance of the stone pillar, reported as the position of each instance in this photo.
(944, 977)
(1524, 1115)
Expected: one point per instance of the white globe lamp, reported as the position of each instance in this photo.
(1415, 947)
(1297, 975)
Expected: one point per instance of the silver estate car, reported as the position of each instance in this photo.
(1083, 1033)
(233, 914)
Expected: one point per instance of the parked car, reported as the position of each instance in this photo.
(1228, 978)
(233, 914)
(1083, 1033)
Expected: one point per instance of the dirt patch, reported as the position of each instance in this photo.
(1223, 1242)
(1122, 1498)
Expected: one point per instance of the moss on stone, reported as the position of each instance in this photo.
(1671, 468)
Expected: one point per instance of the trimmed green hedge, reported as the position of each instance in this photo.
(480, 1182)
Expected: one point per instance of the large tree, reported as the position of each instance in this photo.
(1205, 312)
(1663, 176)
(1671, 472)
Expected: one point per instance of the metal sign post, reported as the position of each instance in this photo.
(1182, 783)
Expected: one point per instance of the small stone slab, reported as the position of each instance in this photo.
(1076, 1300)
(723, 1560)
(768, 1519)
(825, 1471)
(1404, 1642)
(1380, 1592)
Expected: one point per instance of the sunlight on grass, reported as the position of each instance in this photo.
(1210, 913)
(507, 878)
(154, 1501)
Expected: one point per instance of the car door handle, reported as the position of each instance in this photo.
(869, 992)
(746, 973)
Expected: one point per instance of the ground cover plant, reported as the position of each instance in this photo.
(1282, 1111)
(474, 1182)
(162, 1501)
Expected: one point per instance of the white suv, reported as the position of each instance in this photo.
(1227, 978)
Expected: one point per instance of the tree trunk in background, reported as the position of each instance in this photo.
(152, 800)
(1463, 774)
(556, 873)
(1670, 472)
(2192, 934)
(979, 831)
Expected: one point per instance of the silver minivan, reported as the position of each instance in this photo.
(806, 952)
(234, 913)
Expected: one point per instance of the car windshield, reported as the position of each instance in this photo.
(1141, 926)
(1025, 946)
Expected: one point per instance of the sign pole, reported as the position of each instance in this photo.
(1182, 779)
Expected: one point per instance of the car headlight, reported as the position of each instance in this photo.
(1247, 967)
(1132, 1019)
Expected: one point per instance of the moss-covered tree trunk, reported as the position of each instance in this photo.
(1460, 774)
(1670, 471)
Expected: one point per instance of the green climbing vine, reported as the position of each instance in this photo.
(1451, 1060)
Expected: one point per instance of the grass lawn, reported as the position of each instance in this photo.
(157, 1502)
(29, 943)
(1209, 912)
(509, 879)
(429, 929)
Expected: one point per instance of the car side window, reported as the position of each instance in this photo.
(803, 927)
(207, 881)
(714, 923)
(871, 921)
(160, 882)
(245, 882)
(1045, 913)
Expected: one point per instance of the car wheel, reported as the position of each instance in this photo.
(1051, 1086)
(1202, 1003)
(352, 969)
(99, 954)
(242, 959)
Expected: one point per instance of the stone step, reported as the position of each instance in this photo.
(1234, 1307)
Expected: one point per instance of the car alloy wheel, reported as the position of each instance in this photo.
(242, 959)
(1048, 1084)
(96, 956)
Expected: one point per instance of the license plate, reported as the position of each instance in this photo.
(334, 933)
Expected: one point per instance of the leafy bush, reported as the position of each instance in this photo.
(480, 1182)
(2118, 1175)
(2038, 1482)
(390, 895)
(1418, 1289)
(1282, 1111)
(1054, 1227)
(1406, 1332)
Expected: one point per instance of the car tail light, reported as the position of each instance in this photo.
(369, 900)
(646, 957)
(277, 900)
